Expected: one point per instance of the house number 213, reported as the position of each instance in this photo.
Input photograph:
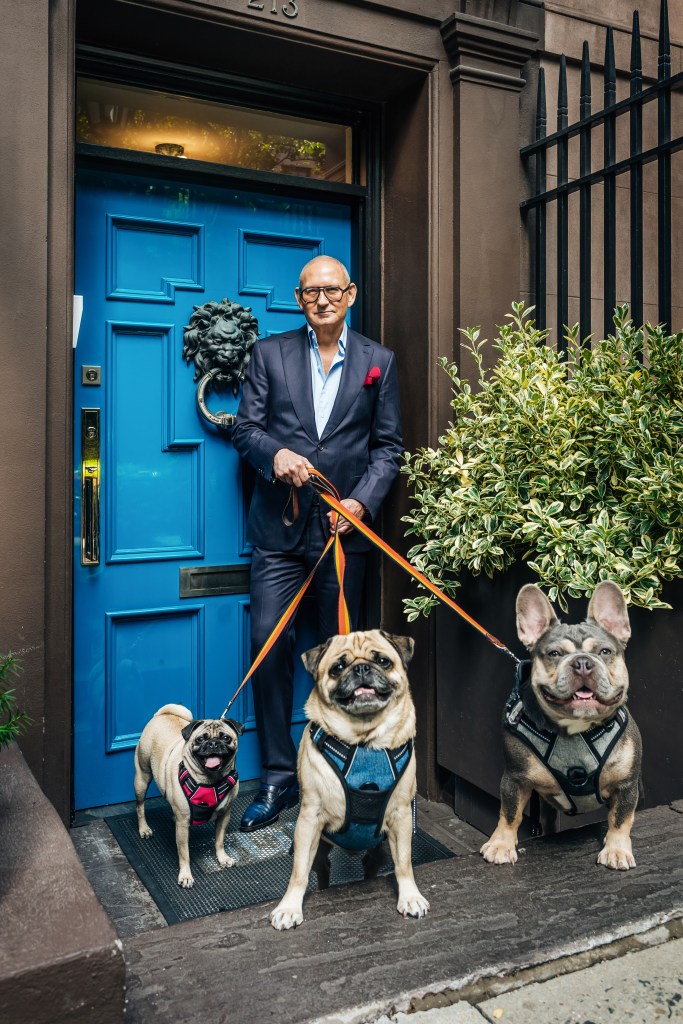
(290, 8)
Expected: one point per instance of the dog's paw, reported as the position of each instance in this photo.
(497, 852)
(145, 832)
(283, 917)
(185, 878)
(619, 859)
(224, 859)
(414, 905)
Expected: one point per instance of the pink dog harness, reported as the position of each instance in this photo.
(204, 800)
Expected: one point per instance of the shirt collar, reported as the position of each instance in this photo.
(313, 341)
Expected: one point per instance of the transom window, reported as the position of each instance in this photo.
(127, 117)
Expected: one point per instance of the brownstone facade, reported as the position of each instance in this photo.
(454, 84)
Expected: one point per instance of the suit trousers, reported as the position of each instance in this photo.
(276, 576)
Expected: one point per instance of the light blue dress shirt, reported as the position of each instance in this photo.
(325, 388)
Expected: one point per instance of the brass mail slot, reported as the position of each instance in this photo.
(214, 580)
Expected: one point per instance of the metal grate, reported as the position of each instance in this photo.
(607, 174)
(262, 868)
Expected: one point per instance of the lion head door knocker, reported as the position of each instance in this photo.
(219, 338)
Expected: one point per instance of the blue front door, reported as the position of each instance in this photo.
(173, 493)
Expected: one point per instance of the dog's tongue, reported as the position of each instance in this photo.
(584, 694)
(363, 690)
(212, 762)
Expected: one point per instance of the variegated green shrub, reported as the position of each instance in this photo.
(574, 465)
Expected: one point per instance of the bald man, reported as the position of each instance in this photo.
(327, 397)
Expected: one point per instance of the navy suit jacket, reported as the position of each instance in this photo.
(360, 448)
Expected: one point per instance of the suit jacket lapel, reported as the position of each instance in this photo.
(354, 371)
(296, 361)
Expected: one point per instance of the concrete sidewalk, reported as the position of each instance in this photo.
(639, 988)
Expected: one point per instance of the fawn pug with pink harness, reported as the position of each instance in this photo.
(193, 764)
(567, 733)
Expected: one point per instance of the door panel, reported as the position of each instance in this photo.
(173, 492)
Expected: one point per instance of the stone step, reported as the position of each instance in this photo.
(355, 959)
(60, 959)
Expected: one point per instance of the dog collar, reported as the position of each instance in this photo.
(204, 800)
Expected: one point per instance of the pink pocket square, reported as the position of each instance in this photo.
(374, 374)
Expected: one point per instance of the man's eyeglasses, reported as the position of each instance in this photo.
(333, 293)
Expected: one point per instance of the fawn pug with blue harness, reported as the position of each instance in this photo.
(567, 733)
(356, 766)
(192, 762)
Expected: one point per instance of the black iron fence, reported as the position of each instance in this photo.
(603, 173)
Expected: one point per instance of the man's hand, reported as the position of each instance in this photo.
(291, 468)
(344, 526)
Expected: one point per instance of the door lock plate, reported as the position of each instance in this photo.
(91, 376)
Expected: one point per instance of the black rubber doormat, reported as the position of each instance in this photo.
(261, 871)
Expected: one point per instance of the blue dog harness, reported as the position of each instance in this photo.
(575, 761)
(368, 778)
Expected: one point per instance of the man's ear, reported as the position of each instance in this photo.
(190, 728)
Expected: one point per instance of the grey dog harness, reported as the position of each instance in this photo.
(575, 761)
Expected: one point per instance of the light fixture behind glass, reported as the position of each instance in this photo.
(170, 149)
(124, 117)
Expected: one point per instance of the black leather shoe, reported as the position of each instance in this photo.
(266, 806)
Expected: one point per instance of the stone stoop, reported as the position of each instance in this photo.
(355, 960)
(60, 959)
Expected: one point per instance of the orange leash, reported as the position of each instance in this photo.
(330, 495)
(343, 620)
(281, 624)
(290, 517)
(344, 623)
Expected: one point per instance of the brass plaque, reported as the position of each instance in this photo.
(90, 486)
